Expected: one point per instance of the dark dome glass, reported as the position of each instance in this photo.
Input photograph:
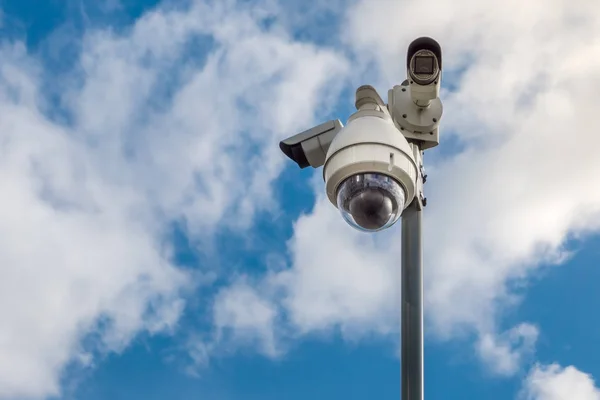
(370, 202)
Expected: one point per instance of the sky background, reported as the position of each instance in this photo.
(155, 243)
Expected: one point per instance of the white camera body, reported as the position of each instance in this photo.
(370, 143)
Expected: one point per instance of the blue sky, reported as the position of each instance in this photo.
(158, 246)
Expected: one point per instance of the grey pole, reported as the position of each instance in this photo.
(412, 303)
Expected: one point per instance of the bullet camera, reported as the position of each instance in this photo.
(372, 167)
(415, 105)
(310, 147)
(424, 69)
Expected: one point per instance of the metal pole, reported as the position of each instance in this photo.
(412, 303)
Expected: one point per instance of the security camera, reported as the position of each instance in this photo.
(372, 167)
(424, 70)
(415, 105)
(310, 147)
(370, 171)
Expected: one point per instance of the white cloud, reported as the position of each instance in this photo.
(522, 106)
(505, 353)
(552, 382)
(88, 192)
(240, 312)
(340, 277)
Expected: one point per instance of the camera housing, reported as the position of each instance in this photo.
(309, 148)
(415, 105)
(370, 172)
(424, 70)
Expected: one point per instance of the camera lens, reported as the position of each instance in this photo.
(424, 65)
(424, 68)
(370, 202)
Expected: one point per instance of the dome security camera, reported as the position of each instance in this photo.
(370, 171)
